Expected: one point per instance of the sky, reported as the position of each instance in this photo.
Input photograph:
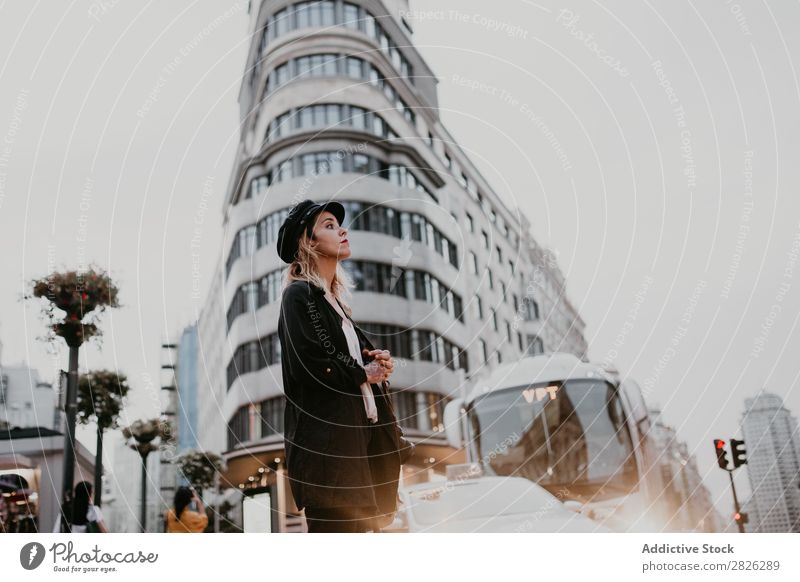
(652, 145)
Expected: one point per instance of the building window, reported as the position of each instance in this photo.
(448, 162)
(326, 116)
(435, 410)
(470, 222)
(302, 15)
(405, 406)
(239, 428)
(252, 295)
(478, 308)
(535, 345)
(499, 254)
(508, 331)
(416, 344)
(494, 320)
(253, 356)
(521, 342)
(361, 164)
(408, 283)
(484, 351)
(255, 421)
(351, 19)
(271, 416)
(333, 65)
(323, 13)
(258, 186)
(473, 259)
(531, 308)
(280, 22)
(491, 278)
(485, 239)
(372, 218)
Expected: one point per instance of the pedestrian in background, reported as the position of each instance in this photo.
(181, 518)
(79, 514)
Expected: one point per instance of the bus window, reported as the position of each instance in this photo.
(570, 436)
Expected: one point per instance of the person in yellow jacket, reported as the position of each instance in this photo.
(181, 519)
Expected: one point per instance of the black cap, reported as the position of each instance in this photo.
(300, 217)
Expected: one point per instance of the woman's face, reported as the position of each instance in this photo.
(329, 237)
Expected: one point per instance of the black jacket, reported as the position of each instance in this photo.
(334, 455)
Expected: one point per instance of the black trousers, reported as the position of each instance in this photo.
(338, 520)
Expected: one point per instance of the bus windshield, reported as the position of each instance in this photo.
(569, 437)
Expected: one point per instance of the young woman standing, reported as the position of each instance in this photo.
(343, 444)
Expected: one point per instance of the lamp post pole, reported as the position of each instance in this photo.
(71, 413)
(143, 451)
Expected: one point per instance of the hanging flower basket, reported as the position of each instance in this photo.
(77, 294)
(200, 467)
(74, 333)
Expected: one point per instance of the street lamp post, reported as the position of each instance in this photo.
(81, 296)
(71, 412)
(144, 450)
(144, 433)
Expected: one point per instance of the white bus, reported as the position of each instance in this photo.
(569, 426)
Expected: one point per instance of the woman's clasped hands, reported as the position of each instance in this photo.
(381, 366)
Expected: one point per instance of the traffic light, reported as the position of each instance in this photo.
(741, 517)
(738, 453)
(722, 454)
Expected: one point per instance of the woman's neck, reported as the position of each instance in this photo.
(326, 267)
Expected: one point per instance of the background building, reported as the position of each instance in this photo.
(32, 450)
(687, 502)
(122, 508)
(25, 400)
(336, 102)
(772, 442)
(186, 377)
(213, 354)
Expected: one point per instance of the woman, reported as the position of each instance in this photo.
(343, 445)
(80, 515)
(182, 519)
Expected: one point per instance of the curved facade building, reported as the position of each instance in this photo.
(337, 103)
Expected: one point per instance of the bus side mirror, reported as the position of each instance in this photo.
(452, 422)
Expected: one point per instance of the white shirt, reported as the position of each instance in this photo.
(355, 351)
(93, 513)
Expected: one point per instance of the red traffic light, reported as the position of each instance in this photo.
(722, 454)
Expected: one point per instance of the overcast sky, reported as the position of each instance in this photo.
(653, 145)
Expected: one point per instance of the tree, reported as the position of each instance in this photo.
(199, 468)
(100, 398)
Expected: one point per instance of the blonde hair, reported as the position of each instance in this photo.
(304, 268)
